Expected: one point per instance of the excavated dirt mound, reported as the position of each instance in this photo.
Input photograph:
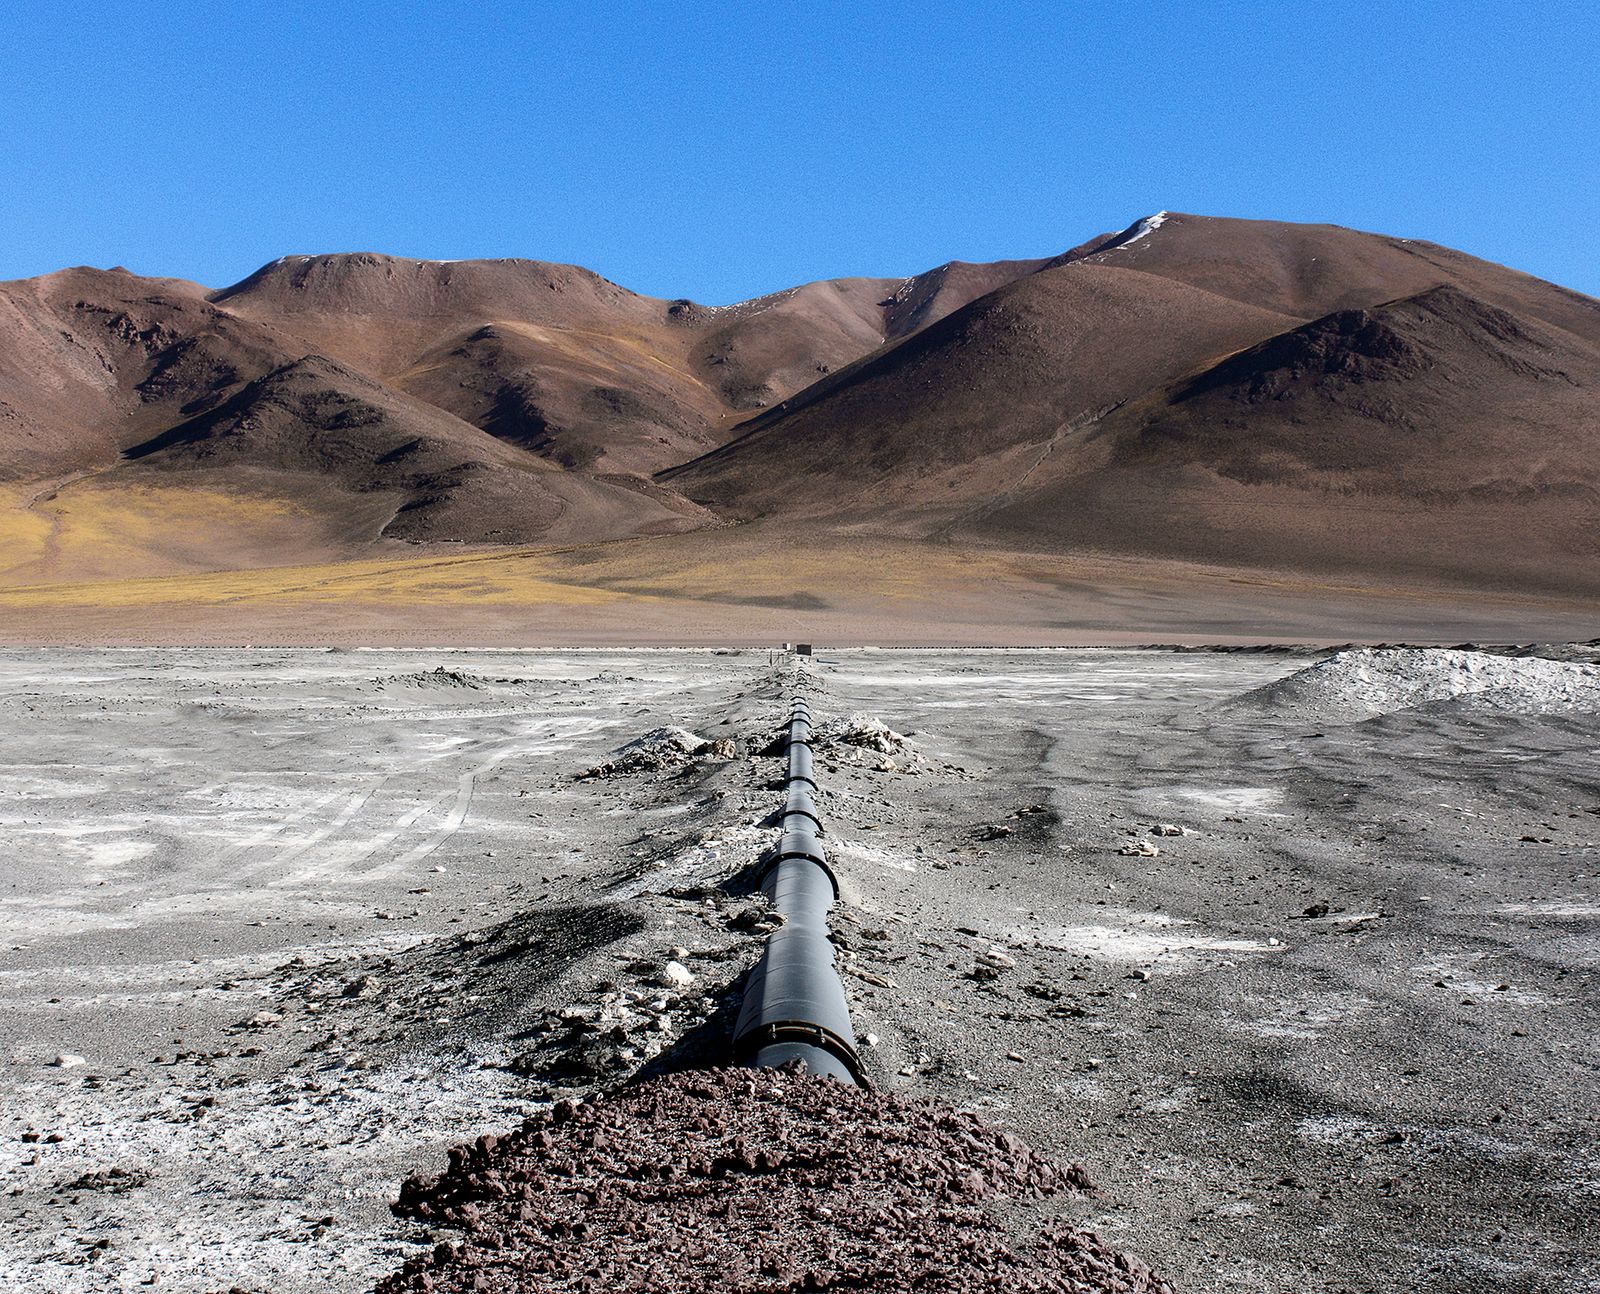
(1360, 684)
(859, 730)
(658, 749)
(743, 1180)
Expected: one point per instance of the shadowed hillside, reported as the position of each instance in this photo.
(343, 433)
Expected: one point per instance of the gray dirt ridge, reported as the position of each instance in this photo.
(1308, 992)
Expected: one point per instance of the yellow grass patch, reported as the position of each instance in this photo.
(86, 529)
(708, 568)
(505, 579)
(730, 584)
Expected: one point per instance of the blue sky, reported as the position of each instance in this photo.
(720, 151)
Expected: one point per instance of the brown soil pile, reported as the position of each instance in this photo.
(745, 1180)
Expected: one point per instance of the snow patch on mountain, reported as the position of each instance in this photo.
(1143, 229)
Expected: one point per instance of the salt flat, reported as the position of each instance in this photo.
(307, 917)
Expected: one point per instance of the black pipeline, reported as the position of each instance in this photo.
(794, 1006)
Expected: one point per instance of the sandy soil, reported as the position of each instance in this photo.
(280, 926)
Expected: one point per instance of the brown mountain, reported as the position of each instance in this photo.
(1300, 398)
(93, 360)
(380, 398)
(1436, 435)
(569, 365)
(1294, 397)
(328, 431)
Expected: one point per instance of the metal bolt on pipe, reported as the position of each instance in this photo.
(794, 1005)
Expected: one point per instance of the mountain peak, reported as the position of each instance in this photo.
(1141, 228)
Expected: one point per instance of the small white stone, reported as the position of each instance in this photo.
(676, 975)
(66, 1060)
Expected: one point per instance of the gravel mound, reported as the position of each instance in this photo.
(858, 730)
(743, 1180)
(660, 748)
(440, 677)
(1361, 684)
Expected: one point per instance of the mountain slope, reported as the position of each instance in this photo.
(327, 429)
(1434, 435)
(1051, 350)
(1308, 271)
(561, 361)
(379, 313)
(94, 359)
(932, 295)
(295, 389)
(587, 400)
(1216, 390)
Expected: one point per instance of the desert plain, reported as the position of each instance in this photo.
(1294, 952)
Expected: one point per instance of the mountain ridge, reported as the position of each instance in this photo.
(1236, 370)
